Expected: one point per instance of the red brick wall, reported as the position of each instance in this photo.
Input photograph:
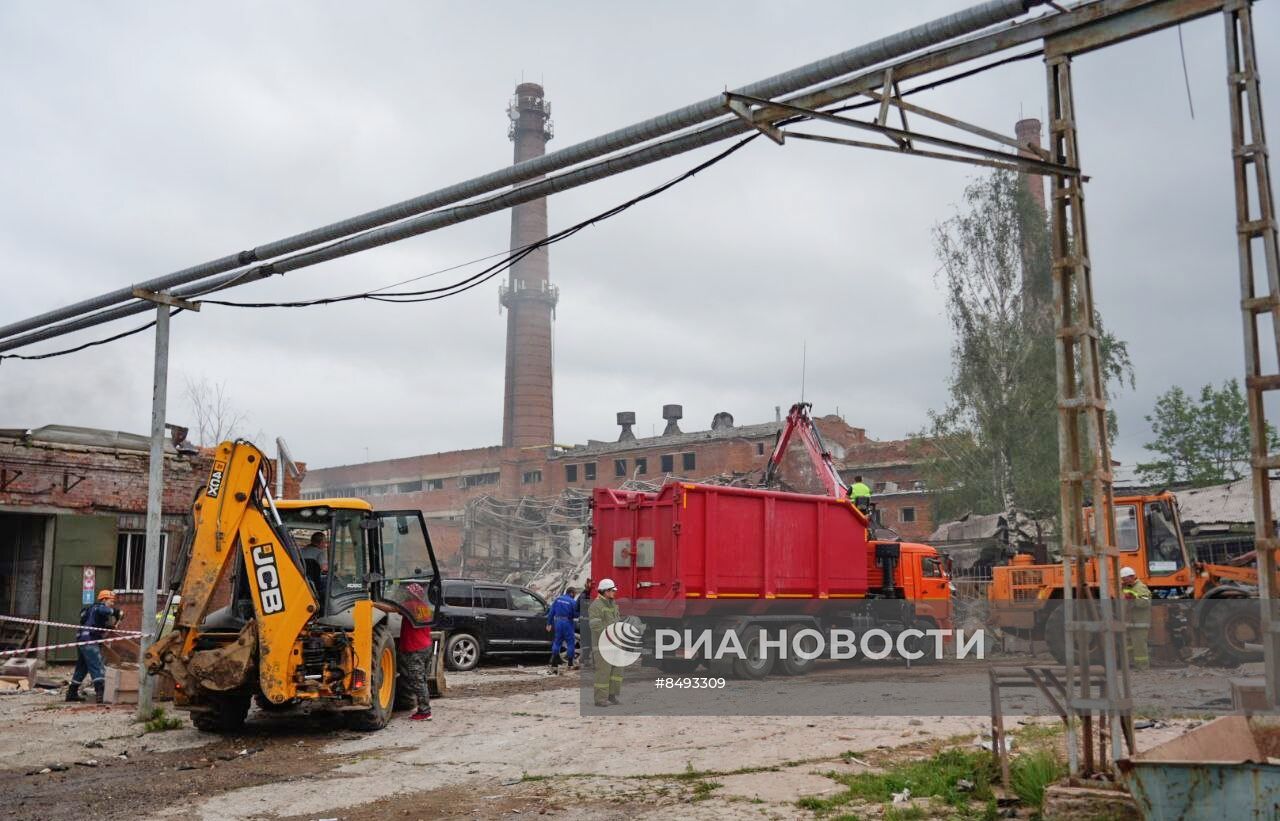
(94, 480)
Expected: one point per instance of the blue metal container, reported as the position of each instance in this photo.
(1221, 771)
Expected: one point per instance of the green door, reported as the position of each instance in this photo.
(79, 542)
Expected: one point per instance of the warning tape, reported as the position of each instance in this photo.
(125, 635)
(63, 624)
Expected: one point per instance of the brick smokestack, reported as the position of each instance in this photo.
(529, 296)
(1027, 132)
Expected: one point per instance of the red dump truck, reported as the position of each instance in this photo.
(743, 560)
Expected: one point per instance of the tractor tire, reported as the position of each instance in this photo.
(793, 665)
(757, 664)
(1229, 625)
(462, 652)
(1055, 635)
(382, 684)
(226, 713)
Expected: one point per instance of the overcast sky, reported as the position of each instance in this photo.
(143, 138)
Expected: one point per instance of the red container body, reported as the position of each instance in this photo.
(706, 542)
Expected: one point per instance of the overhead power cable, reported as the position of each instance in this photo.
(514, 255)
(428, 294)
(95, 343)
(957, 24)
(466, 284)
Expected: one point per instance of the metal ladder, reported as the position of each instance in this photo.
(1084, 459)
(1249, 161)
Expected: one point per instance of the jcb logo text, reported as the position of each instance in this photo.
(268, 578)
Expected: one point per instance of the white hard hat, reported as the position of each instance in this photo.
(606, 584)
(1126, 572)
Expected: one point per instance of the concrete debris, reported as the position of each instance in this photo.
(902, 797)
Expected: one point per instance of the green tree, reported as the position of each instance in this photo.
(1201, 442)
(995, 445)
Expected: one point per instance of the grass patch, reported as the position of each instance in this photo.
(909, 813)
(1031, 772)
(158, 722)
(702, 790)
(1040, 734)
(937, 776)
(526, 777)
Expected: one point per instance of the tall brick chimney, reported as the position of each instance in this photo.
(1027, 132)
(529, 296)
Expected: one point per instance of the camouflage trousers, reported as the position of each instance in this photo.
(415, 671)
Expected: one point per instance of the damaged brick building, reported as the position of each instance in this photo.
(73, 505)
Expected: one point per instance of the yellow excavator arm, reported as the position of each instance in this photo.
(235, 512)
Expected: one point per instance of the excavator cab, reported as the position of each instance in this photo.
(368, 554)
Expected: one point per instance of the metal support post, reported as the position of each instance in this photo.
(1084, 456)
(1258, 299)
(155, 499)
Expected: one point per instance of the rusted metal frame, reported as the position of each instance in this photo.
(1082, 393)
(162, 298)
(743, 112)
(787, 108)
(974, 48)
(1126, 25)
(1041, 681)
(1250, 147)
(904, 106)
(997, 727)
(68, 483)
(1011, 165)
(1071, 496)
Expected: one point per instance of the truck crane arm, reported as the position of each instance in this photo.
(801, 426)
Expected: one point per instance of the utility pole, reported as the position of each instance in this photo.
(155, 488)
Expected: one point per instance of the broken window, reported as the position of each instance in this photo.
(480, 479)
(619, 467)
(688, 461)
(759, 448)
(131, 551)
(409, 487)
(589, 471)
(668, 463)
(571, 473)
(642, 466)
(531, 477)
(907, 514)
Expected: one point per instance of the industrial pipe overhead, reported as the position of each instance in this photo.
(886, 48)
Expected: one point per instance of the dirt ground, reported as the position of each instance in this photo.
(505, 742)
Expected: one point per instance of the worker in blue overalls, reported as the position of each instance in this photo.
(560, 618)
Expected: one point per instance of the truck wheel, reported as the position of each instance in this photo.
(225, 714)
(462, 652)
(1230, 625)
(382, 684)
(925, 644)
(793, 665)
(757, 664)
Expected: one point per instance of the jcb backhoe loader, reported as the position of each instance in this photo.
(301, 625)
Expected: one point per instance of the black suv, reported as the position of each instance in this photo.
(491, 618)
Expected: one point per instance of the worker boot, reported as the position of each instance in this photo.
(73, 692)
(99, 689)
